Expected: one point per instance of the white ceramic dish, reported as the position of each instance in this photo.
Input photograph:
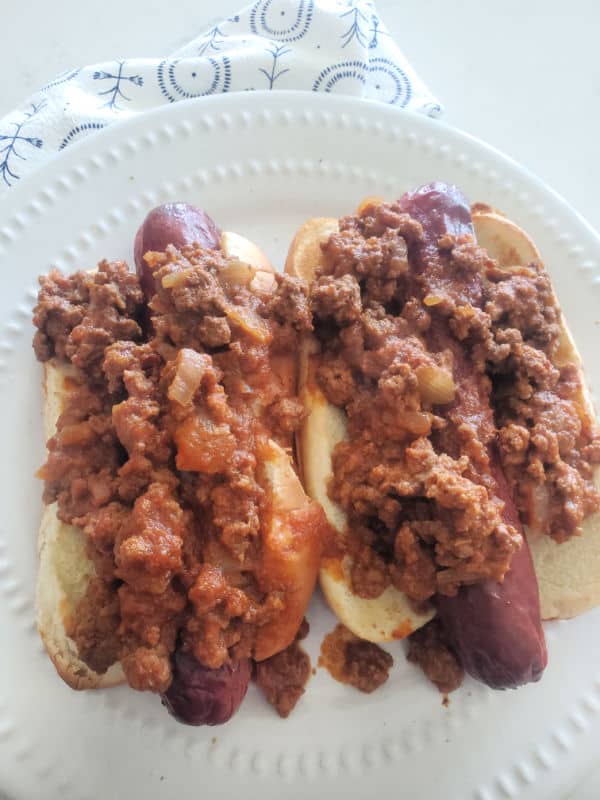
(261, 165)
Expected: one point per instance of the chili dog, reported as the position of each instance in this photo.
(494, 627)
(177, 543)
(431, 380)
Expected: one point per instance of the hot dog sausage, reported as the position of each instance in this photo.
(197, 695)
(495, 628)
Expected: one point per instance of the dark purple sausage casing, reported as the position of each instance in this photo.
(172, 223)
(495, 628)
(202, 696)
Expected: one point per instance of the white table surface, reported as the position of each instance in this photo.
(523, 75)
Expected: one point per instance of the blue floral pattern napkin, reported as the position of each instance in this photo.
(338, 46)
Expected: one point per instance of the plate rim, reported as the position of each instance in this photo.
(283, 97)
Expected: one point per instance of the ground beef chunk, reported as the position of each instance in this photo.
(336, 381)
(133, 367)
(148, 669)
(473, 327)
(336, 298)
(370, 574)
(466, 255)
(102, 527)
(428, 648)
(541, 439)
(382, 258)
(354, 661)
(591, 452)
(194, 288)
(513, 441)
(370, 334)
(416, 315)
(452, 275)
(94, 626)
(526, 301)
(395, 411)
(212, 440)
(216, 603)
(137, 370)
(236, 512)
(148, 631)
(60, 308)
(83, 457)
(214, 331)
(532, 371)
(286, 415)
(289, 303)
(571, 500)
(376, 218)
(414, 570)
(148, 549)
(227, 616)
(79, 316)
(283, 677)
(367, 665)
(134, 420)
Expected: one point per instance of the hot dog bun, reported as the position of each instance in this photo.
(291, 551)
(389, 616)
(291, 543)
(569, 573)
(64, 567)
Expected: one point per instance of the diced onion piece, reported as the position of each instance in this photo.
(235, 246)
(236, 273)
(436, 385)
(537, 505)
(203, 446)
(190, 367)
(416, 422)
(432, 300)
(564, 353)
(263, 282)
(155, 259)
(175, 278)
(250, 322)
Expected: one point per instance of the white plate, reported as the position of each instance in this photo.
(262, 165)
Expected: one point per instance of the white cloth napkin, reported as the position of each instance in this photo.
(338, 46)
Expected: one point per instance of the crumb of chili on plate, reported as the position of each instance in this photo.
(354, 661)
(283, 677)
(428, 648)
